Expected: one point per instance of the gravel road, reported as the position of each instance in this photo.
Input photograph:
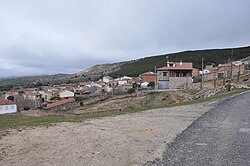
(123, 140)
(221, 137)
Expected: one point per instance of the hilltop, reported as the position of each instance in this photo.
(216, 56)
(133, 67)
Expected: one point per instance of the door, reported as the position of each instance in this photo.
(164, 84)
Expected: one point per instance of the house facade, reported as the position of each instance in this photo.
(66, 94)
(7, 107)
(175, 75)
(224, 71)
(107, 79)
(148, 77)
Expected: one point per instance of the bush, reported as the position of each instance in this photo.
(55, 98)
(151, 84)
(132, 90)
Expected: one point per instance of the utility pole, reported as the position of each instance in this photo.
(215, 84)
(231, 72)
(231, 59)
(155, 79)
(238, 77)
(202, 66)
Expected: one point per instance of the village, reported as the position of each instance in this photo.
(174, 76)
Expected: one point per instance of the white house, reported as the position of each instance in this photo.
(123, 80)
(66, 93)
(106, 79)
(7, 106)
(144, 85)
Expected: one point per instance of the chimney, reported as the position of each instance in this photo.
(167, 63)
(181, 63)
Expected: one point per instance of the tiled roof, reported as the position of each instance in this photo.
(148, 73)
(61, 102)
(178, 66)
(6, 102)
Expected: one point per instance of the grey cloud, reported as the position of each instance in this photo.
(47, 36)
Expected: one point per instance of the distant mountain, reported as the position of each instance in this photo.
(30, 80)
(133, 67)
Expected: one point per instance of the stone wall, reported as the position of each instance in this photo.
(160, 75)
(62, 108)
(226, 73)
(180, 82)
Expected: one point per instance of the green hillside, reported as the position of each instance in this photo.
(136, 67)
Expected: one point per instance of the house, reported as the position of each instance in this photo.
(195, 72)
(144, 85)
(124, 80)
(54, 91)
(98, 85)
(32, 95)
(148, 77)
(66, 94)
(175, 75)
(224, 71)
(13, 95)
(46, 95)
(106, 79)
(125, 87)
(7, 106)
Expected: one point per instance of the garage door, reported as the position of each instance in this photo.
(163, 84)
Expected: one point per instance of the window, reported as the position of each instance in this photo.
(12, 107)
(6, 107)
(1, 108)
(165, 73)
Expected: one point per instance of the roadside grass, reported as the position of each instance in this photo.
(19, 121)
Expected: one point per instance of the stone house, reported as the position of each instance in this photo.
(175, 75)
(223, 71)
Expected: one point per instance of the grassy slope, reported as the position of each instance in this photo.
(18, 121)
(134, 68)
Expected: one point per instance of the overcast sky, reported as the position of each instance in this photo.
(65, 36)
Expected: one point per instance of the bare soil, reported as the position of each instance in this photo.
(122, 140)
(129, 103)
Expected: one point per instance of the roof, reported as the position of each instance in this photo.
(108, 77)
(178, 66)
(61, 102)
(6, 102)
(148, 73)
(65, 91)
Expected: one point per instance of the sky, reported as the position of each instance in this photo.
(66, 36)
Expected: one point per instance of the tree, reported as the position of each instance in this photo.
(131, 90)
(151, 84)
(11, 98)
(55, 98)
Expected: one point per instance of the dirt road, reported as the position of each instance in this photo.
(122, 140)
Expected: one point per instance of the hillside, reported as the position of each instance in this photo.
(131, 68)
(134, 68)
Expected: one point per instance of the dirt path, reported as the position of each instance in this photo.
(122, 140)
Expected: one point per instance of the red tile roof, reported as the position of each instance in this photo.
(178, 66)
(148, 73)
(6, 102)
(61, 102)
